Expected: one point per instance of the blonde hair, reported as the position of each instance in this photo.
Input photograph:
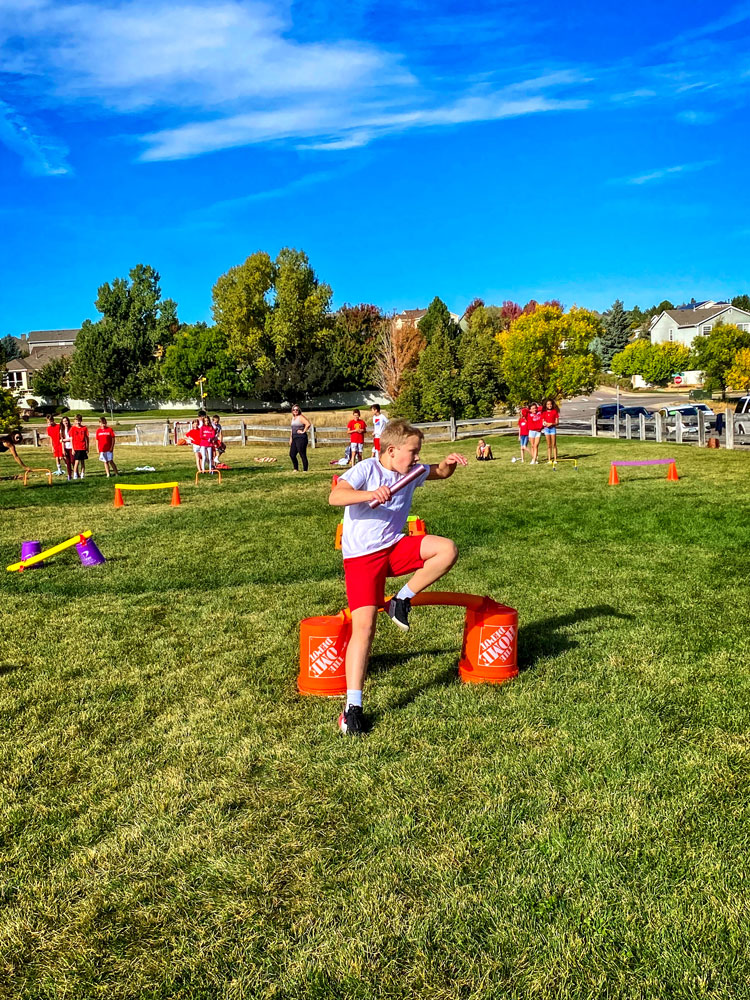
(396, 432)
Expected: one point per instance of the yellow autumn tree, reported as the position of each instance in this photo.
(738, 376)
(545, 354)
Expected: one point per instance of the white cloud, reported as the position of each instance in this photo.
(339, 126)
(139, 55)
(42, 157)
(231, 74)
(662, 173)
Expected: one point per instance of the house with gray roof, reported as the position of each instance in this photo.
(680, 326)
(43, 346)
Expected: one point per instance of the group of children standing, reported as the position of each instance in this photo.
(70, 446)
(207, 438)
(358, 428)
(534, 421)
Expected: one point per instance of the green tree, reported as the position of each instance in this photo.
(118, 361)
(9, 350)
(742, 302)
(10, 417)
(353, 346)
(99, 369)
(299, 319)
(276, 317)
(480, 384)
(633, 360)
(438, 317)
(714, 354)
(615, 335)
(664, 361)
(53, 379)
(545, 353)
(199, 350)
(241, 308)
(437, 374)
(432, 392)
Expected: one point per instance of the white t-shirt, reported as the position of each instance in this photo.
(378, 423)
(367, 530)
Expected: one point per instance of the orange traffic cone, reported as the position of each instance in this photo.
(672, 476)
(175, 497)
(118, 498)
(614, 479)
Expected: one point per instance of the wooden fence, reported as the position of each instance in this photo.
(658, 428)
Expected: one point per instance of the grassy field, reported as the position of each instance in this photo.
(177, 822)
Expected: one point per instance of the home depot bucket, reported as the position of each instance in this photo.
(489, 652)
(322, 650)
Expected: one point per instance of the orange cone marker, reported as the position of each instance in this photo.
(118, 498)
(175, 497)
(672, 476)
(614, 479)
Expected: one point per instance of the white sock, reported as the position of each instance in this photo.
(405, 591)
(353, 698)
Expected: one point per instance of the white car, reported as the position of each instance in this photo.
(689, 416)
(743, 407)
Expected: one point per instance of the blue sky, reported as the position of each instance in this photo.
(499, 149)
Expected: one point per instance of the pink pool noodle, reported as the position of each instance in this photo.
(410, 476)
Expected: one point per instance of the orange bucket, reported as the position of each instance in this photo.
(322, 652)
(489, 654)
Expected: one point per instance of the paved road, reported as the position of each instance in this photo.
(583, 407)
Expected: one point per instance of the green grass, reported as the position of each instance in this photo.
(177, 822)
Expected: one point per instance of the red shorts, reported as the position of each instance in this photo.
(376, 444)
(365, 575)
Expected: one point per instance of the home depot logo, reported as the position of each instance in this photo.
(325, 657)
(496, 645)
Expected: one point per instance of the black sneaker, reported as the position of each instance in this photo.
(352, 721)
(398, 611)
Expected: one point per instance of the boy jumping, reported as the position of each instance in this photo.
(374, 547)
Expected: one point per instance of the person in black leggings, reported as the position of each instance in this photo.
(298, 438)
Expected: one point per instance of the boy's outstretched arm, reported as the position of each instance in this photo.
(447, 467)
(343, 494)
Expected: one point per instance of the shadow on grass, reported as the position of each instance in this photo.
(8, 668)
(543, 638)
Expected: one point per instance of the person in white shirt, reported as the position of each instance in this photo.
(374, 547)
(379, 420)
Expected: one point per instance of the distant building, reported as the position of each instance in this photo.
(43, 346)
(680, 326)
(412, 317)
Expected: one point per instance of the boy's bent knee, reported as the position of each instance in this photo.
(437, 547)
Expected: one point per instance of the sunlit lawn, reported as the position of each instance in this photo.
(177, 822)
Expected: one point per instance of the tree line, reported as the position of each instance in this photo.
(275, 338)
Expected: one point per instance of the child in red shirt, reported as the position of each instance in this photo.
(536, 422)
(194, 437)
(208, 437)
(551, 418)
(79, 436)
(356, 428)
(53, 433)
(523, 431)
(105, 443)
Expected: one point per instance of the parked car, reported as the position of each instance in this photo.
(607, 411)
(743, 407)
(689, 417)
